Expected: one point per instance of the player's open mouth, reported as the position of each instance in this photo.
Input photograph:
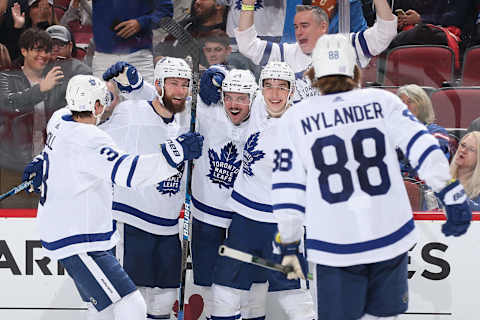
(302, 41)
(234, 111)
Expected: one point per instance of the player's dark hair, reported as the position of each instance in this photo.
(216, 36)
(81, 114)
(334, 83)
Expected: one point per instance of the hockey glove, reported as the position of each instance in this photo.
(187, 146)
(211, 85)
(125, 75)
(291, 257)
(34, 171)
(458, 211)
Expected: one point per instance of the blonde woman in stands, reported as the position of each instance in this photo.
(466, 168)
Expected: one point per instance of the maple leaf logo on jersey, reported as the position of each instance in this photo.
(224, 169)
(250, 155)
(171, 186)
(258, 4)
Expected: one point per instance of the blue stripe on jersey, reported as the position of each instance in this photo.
(412, 141)
(226, 318)
(288, 185)
(143, 215)
(364, 45)
(425, 155)
(294, 206)
(354, 37)
(167, 156)
(282, 52)
(152, 316)
(251, 204)
(132, 171)
(266, 54)
(211, 210)
(116, 165)
(361, 246)
(78, 238)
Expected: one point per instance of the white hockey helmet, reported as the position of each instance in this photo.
(334, 55)
(279, 71)
(240, 81)
(169, 67)
(83, 91)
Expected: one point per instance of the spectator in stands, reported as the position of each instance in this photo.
(474, 126)
(466, 168)
(40, 14)
(80, 10)
(122, 30)
(420, 106)
(30, 95)
(63, 43)
(5, 61)
(206, 16)
(12, 21)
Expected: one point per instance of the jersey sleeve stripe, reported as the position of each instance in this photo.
(132, 171)
(293, 206)
(78, 238)
(210, 210)
(251, 204)
(289, 185)
(412, 141)
(282, 52)
(167, 156)
(116, 165)
(364, 45)
(361, 246)
(425, 155)
(266, 54)
(354, 37)
(117, 206)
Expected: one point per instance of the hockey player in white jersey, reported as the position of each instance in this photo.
(222, 118)
(149, 248)
(338, 174)
(253, 224)
(311, 23)
(80, 164)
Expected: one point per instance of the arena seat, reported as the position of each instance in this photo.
(456, 107)
(424, 65)
(471, 67)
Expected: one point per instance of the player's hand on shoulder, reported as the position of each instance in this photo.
(290, 257)
(187, 146)
(125, 75)
(34, 171)
(459, 214)
(211, 84)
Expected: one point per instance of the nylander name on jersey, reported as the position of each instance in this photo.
(341, 116)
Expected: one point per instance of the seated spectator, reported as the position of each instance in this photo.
(40, 14)
(122, 31)
(206, 16)
(30, 95)
(474, 126)
(420, 105)
(12, 22)
(465, 167)
(5, 61)
(63, 43)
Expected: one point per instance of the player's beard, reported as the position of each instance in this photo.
(173, 107)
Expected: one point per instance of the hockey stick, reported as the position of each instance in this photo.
(193, 50)
(223, 250)
(22, 186)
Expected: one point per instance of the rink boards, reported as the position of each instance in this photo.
(442, 271)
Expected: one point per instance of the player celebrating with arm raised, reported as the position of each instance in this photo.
(150, 250)
(81, 162)
(252, 204)
(222, 118)
(340, 177)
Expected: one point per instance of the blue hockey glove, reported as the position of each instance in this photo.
(459, 214)
(291, 257)
(187, 146)
(211, 85)
(125, 75)
(34, 171)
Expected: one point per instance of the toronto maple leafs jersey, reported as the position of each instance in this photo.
(338, 171)
(136, 127)
(81, 162)
(217, 168)
(367, 44)
(251, 195)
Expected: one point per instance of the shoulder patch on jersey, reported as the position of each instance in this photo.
(224, 168)
(250, 155)
(171, 186)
